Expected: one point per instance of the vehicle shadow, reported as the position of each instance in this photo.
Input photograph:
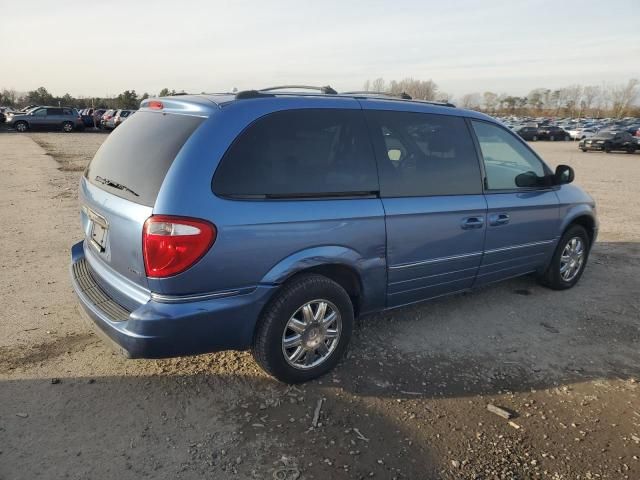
(411, 375)
(194, 427)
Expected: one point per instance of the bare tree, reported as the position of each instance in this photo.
(470, 101)
(590, 94)
(378, 85)
(418, 89)
(367, 86)
(490, 101)
(623, 96)
(572, 94)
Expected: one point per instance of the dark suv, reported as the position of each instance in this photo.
(269, 221)
(553, 133)
(47, 118)
(529, 133)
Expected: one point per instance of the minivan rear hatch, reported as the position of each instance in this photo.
(119, 190)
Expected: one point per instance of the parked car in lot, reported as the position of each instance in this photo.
(529, 133)
(553, 133)
(580, 133)
(609, 141)
(97, 116)
(46, 118)
(269, 220)
(118, 117)
(106, 117)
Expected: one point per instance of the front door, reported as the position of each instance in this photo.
(431, 189)
(522, 212)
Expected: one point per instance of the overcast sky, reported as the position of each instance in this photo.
(101, 48)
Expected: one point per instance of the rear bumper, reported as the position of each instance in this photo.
(159, 330)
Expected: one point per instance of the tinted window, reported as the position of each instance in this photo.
(54, 111)
(67, 111)
(423, 154)
(138, 154)
(41, 112)
(299, 153)
(505, 157)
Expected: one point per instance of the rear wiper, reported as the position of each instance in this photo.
(119, 186)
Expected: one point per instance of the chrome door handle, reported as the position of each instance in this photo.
(469, 223)
(496, 219)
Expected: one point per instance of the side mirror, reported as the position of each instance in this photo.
(527, 179)
(564, 174)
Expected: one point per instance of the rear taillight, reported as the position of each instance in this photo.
(170, 245)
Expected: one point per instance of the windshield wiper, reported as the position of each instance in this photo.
(119, 186)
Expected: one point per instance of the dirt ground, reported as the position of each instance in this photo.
(408, 402)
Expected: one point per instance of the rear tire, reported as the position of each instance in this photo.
(21, 127)
(584, 150)
(567, 265)
(67, 127)
(552, 138)
(535, 138)
(315, 349)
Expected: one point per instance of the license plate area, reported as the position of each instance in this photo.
(98, 229)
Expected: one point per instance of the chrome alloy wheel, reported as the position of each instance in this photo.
(311, 334)
(572, 259)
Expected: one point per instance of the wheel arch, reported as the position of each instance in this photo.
(364, 279)
(585, 220)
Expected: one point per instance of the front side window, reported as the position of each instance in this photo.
(308, 152)
(421, 154)
(40, 112)
(508, 163)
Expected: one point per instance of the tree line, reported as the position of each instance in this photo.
(606, 100)
(128, 99)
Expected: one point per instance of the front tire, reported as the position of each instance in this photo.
(21, 127)
(304, 330)
(67, 127)
(569, 260)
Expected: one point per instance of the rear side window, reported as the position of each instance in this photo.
(138, 154)
(308, 152)
(421, 154)
(67, 111)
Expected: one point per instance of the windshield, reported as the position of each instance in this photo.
(606, 135)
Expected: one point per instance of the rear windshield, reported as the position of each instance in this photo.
(134, 160)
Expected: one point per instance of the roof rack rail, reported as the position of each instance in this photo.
(403, 95)
(326, 89)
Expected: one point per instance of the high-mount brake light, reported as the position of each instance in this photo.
(155, 105)
(171, 245)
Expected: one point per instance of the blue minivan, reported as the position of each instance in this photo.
(269, 219)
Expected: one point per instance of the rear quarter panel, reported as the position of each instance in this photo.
(265, 241)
